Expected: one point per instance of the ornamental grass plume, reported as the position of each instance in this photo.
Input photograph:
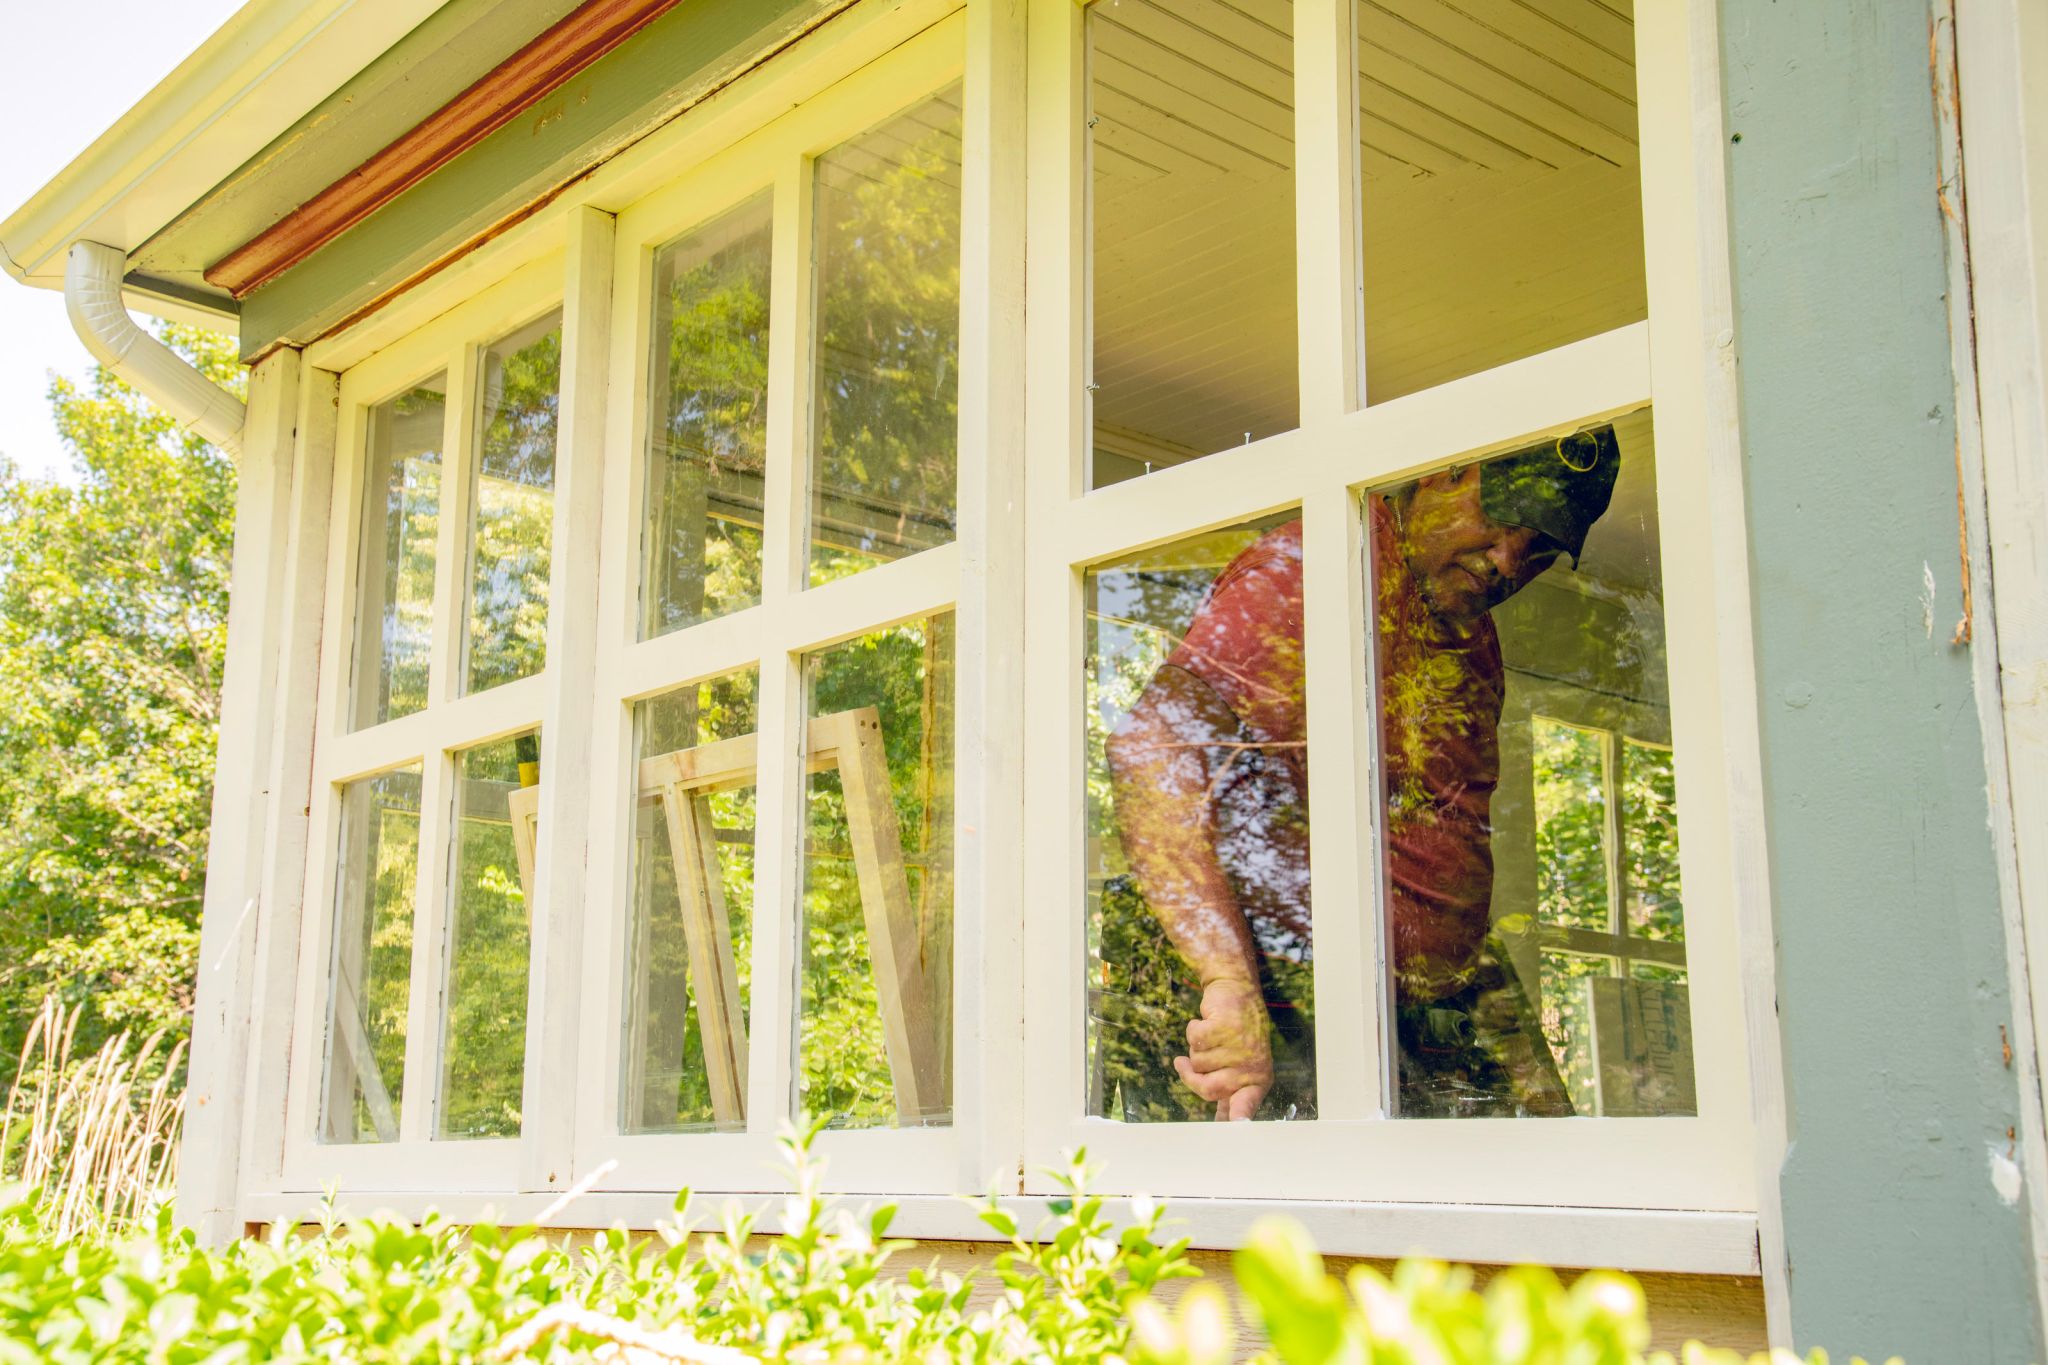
(98, 1136)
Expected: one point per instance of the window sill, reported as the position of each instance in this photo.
(1661, 1240)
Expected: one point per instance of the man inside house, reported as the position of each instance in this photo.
(1210, 777)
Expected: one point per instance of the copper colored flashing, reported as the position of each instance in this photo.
(504, 93)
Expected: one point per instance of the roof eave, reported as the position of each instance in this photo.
(263, 70)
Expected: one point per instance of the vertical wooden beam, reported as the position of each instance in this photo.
(1693, 374)
(781, 793)
(296, 661)
(1328, 305)
(209, 1172)
(558, 910)
(986, 981)
(2001, 51)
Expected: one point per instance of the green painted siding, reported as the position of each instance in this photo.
(672, 60)
(1892, 972)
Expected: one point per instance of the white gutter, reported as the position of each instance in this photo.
(92, 296)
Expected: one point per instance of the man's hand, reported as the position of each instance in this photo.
(1230, 1053)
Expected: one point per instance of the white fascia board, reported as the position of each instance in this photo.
(260, 73)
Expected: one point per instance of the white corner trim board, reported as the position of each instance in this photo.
(92, 296)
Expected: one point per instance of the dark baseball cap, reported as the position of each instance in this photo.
(1559, 486)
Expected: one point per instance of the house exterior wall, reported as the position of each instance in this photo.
(1904, 1233)
(1900, 1227)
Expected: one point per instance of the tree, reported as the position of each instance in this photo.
(113, 627)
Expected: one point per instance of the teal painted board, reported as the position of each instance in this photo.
(620, 96)
(1892, 985)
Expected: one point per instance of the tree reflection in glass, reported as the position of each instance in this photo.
(707, 422)
(369, 982)
(512, 506)
(884, 452)
(401, 524)
(483, 1019)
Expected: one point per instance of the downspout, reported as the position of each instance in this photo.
(92, 296)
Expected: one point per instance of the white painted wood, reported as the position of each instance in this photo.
(1642, 1240)
(210, 1151)
(1326, 284)
(779, 791)
(1353, 1071)
(274, 1005)
(1056, 417)
(1700, 209)
(548, 1130)
(1990, 60)
(990, 844)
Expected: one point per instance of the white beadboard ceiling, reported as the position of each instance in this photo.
(1501, 203)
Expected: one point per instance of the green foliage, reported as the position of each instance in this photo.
(383, 1291)
(1425, 1313)
(832, 1287)
(113, 620)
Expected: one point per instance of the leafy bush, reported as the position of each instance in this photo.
(1082, 1290)
(1427, 1313)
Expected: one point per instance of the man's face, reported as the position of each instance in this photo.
(1465, 562)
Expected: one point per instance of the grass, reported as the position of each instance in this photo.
(98, 1135)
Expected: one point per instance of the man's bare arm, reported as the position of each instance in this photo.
(1160, 767)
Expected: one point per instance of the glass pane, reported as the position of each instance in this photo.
(1191, 109)
(888, 342)
(512, 507)
(1569, 768)
(401, 520)
(1502, 200)
(370, 966)
(876, 1021)
(1520, 662)
(690, 958)
(1649, 841)
(490, 922)
(707, 422)
(1201, 999)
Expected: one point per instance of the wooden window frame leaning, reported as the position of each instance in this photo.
(1682, 1195)
(849, 743)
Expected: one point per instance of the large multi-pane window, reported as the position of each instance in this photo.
(427, 769)
(1379, 464)
(835, 760)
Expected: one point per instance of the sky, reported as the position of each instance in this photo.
(52, 113)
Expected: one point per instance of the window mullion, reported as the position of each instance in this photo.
(988, 786)
(1326, 276)
(1344, 845)
(451, 547)
(555, 960)
(421, 1096)
(779, 771)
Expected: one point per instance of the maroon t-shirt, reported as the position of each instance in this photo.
(1440, 688)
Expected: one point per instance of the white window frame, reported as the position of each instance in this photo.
(1343, 446)
(430, 738)
(1659, 1193)
(790, 621)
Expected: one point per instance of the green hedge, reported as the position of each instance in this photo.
(833, 1288)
